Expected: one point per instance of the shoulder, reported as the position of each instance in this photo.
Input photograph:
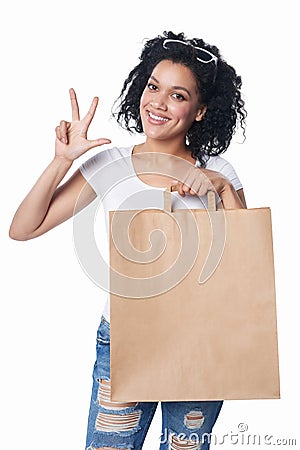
(106, 167)
(217, 163)
(220, 164)
(111, 154)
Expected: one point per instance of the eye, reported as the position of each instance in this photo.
(152, 87)
(178, 96)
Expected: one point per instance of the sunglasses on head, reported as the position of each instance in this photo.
(201, 54)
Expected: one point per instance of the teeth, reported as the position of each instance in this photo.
(153, 116)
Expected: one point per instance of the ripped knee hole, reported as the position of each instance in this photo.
(115, 422)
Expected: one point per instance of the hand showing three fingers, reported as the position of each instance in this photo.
(71, 137)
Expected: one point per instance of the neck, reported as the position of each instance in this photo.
(174, 147)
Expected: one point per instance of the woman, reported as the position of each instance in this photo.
(186, 100)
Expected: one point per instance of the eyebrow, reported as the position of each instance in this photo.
(173, 87)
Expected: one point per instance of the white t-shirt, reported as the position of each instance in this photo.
(112, 176)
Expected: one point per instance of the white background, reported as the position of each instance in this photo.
(50, 309)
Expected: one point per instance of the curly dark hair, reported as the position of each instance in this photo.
(218, 84)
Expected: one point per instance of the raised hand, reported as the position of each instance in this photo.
(71, 137)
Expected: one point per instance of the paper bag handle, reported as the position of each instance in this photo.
(211, 199)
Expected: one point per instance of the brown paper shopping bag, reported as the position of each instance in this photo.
(192, 302)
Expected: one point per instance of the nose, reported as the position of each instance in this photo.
(159, 101)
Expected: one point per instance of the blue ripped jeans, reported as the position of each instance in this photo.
(125, 425)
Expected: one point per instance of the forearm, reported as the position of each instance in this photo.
(31, 212)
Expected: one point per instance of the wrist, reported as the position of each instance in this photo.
(226, 189)
(62, 161)
(230, 198)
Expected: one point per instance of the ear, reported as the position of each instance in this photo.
(201, 113)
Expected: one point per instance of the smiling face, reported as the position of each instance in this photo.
(170, 102)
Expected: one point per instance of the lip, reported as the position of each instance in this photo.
(156, 119)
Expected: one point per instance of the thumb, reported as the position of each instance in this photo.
(97, 142)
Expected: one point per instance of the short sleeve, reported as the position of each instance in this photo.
(89, 170)
(223, 166)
